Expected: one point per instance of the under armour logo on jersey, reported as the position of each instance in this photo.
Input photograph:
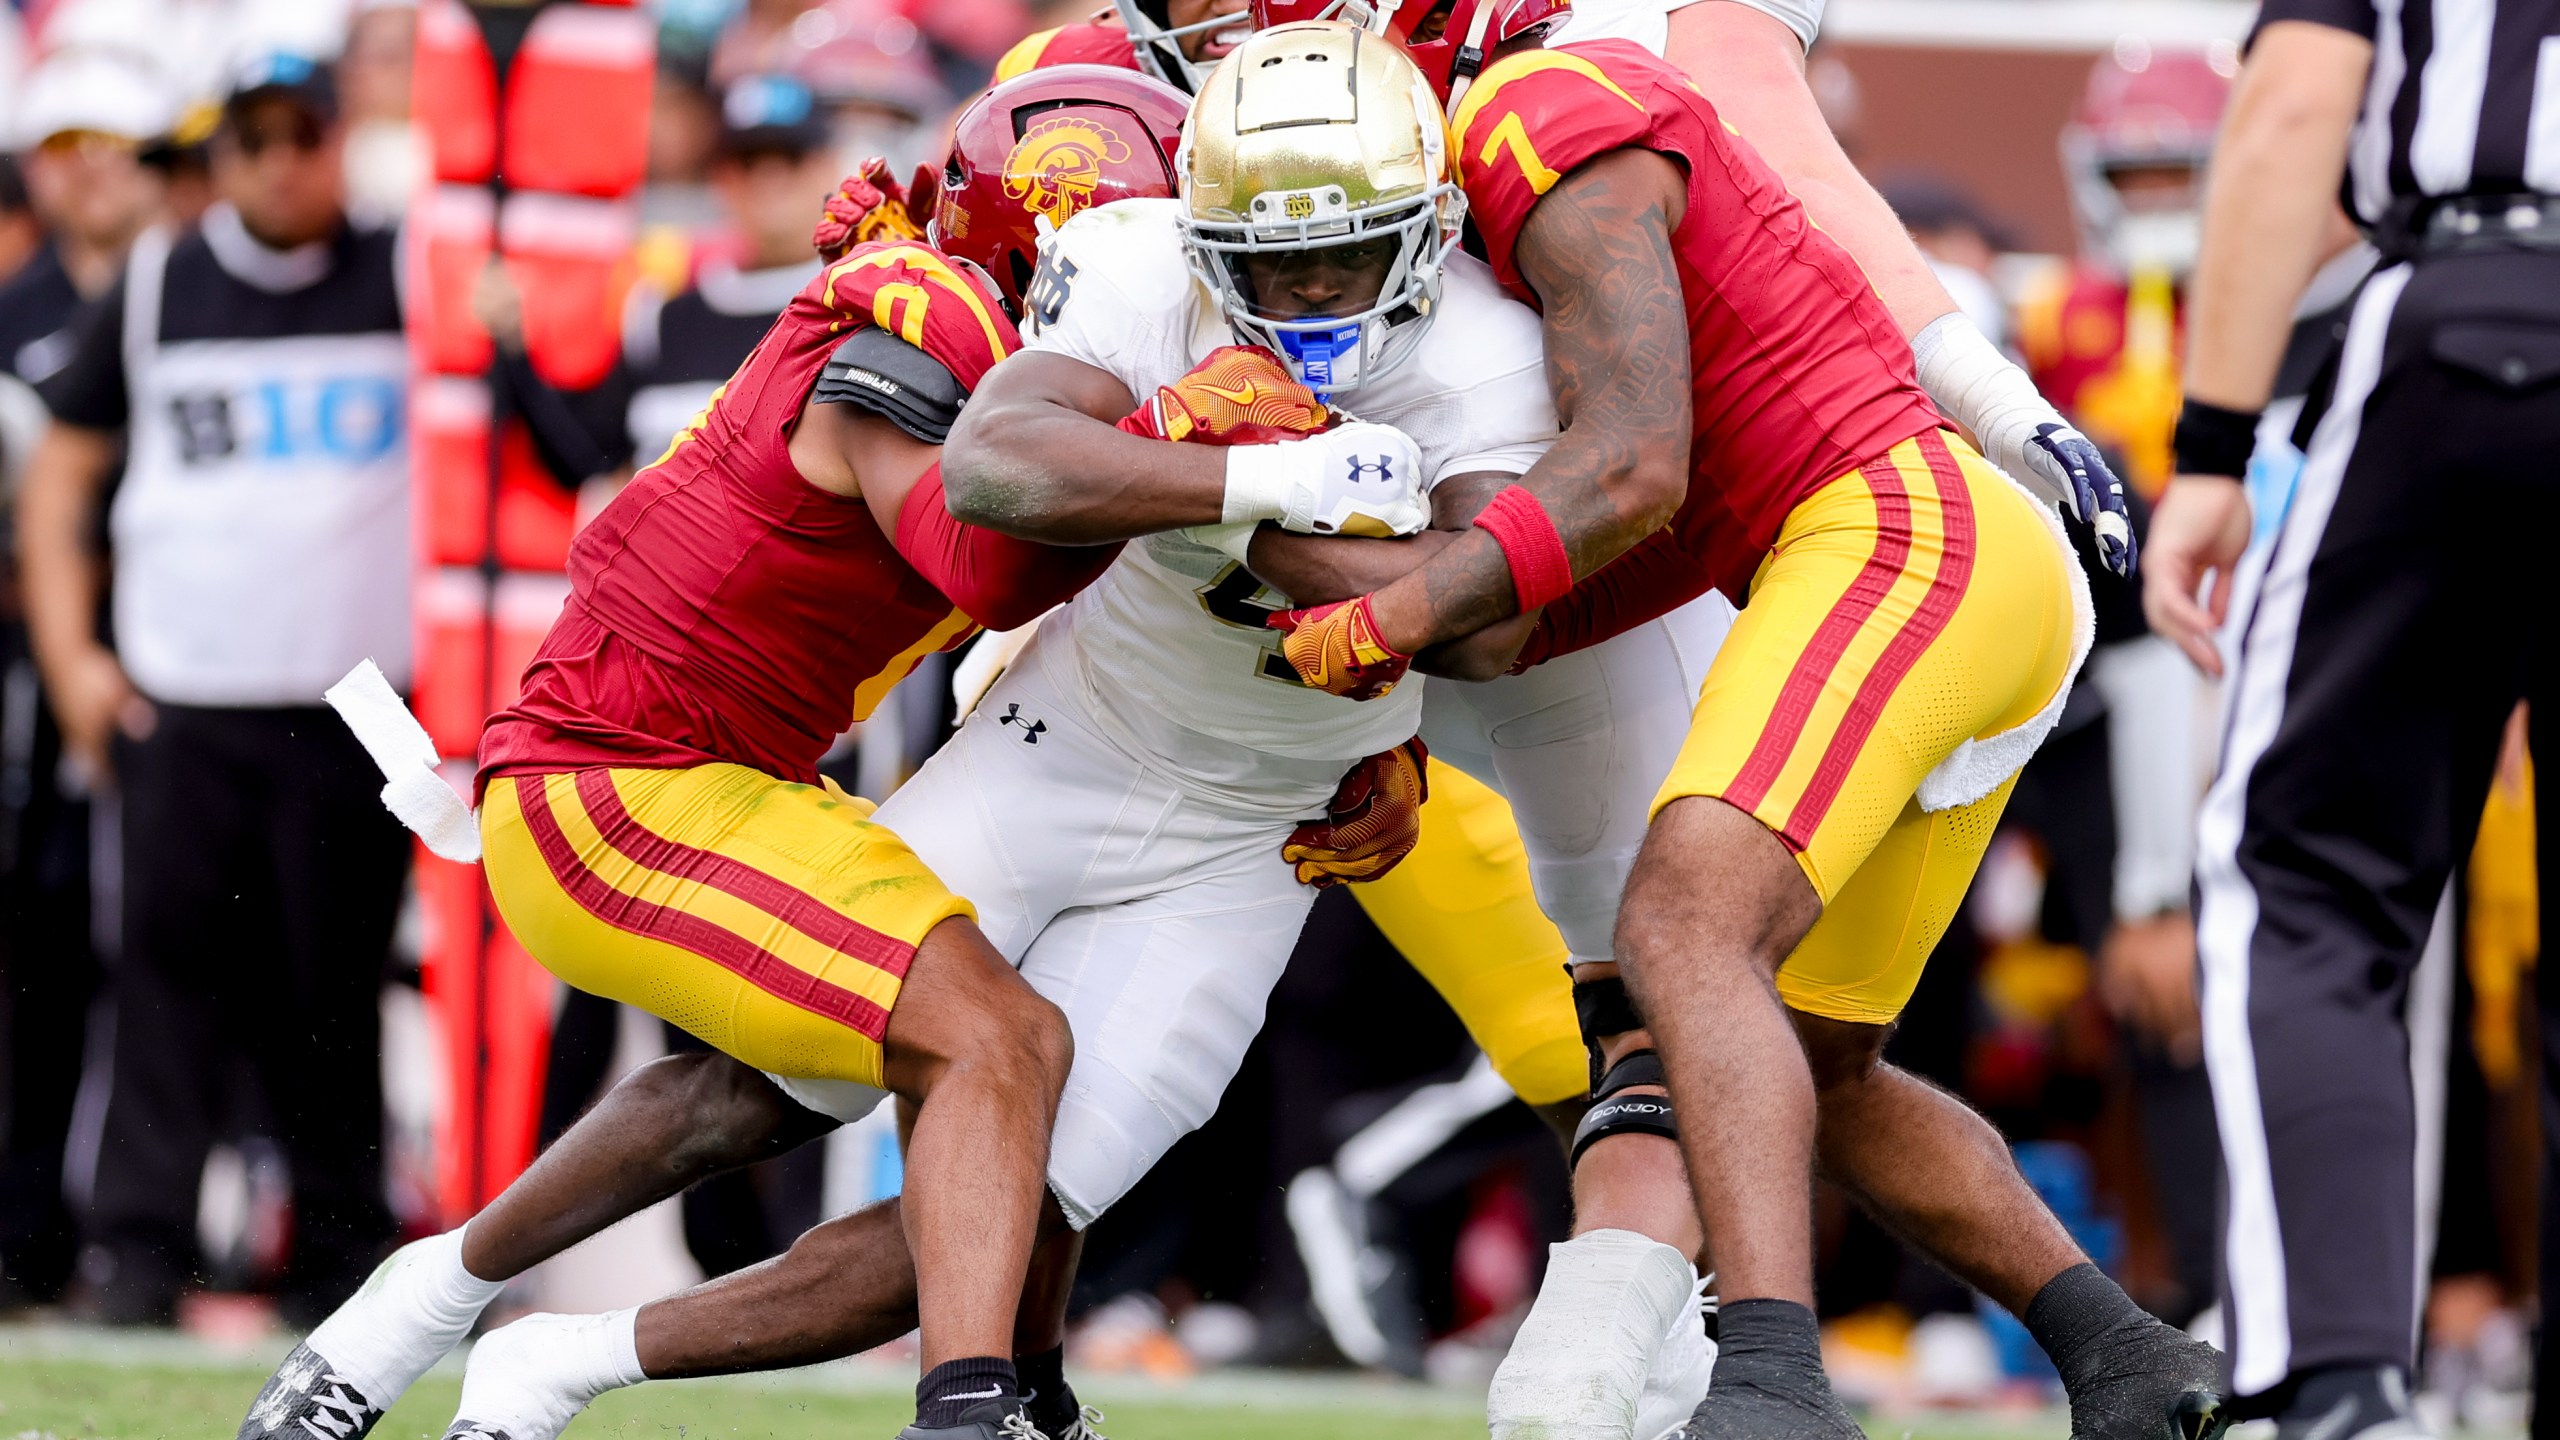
(1032, 729)
(1382, 469)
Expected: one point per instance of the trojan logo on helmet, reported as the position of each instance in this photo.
(1043, 147)
(1058, 165)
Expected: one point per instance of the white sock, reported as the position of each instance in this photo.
(528, 1380)
(413, 1308)
(1577, 1368)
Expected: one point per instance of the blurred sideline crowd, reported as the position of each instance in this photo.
(201, 901)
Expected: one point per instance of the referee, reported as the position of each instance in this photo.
(2372, 642)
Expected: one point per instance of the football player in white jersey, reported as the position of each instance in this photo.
(1171, 657)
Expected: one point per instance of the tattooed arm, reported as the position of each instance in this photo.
(1597, 249)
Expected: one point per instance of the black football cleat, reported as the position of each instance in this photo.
(306, 1400)
(1002, 1418)
(2168, 1386)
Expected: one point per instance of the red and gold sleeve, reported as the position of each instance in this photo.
(1535, 116)
(924, 298)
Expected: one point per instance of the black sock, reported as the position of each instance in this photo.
(1044, 1390)
(951, 1387)
(1774, 1345)
(2075, 1311)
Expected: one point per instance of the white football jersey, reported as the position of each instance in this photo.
(1176, 629)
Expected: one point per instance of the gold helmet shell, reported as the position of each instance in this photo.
(1313, 135)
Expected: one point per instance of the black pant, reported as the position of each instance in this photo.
(262, 878)
(2383, 641)
(48, 977)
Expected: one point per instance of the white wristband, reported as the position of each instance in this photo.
(1984, 391)
(1262, 484)
(1235, 541)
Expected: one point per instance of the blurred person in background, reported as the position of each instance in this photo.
(876, 80)
(2102, 335)
(1962, 243)
(85, 196)
(254, 372)
(2364, 698)
(21, 229)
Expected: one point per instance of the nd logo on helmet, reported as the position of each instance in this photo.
(1057, 164)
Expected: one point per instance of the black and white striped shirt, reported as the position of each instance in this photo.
(2464, 99)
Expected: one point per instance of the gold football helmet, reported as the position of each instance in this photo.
(1322, 142)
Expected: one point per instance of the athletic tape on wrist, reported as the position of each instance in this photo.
(2213, 441)
(1519, 524)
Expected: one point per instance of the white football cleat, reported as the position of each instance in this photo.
(415, 1307)
(528, 1380)
(1578, 1368)
(1678, 1379)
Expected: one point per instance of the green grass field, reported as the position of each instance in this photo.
(85, 1388)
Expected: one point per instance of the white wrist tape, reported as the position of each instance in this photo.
(1265, 482)
(413, 789)
(1233, 541)
(1985, 392)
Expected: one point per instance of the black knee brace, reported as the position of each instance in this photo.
(1613, 1112)
(1603, 1009)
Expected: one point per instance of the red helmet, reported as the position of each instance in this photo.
(2153, 111)
(1457, 35)
(1042, 147)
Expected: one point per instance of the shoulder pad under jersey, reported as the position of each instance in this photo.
(892, 379)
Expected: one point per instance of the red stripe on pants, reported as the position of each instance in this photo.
(1928, 621)
(730, 951)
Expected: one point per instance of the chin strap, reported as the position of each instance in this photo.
(1462, 72)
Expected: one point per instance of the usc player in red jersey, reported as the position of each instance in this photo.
(655, 830)
(1173, 40)
(1741, 412)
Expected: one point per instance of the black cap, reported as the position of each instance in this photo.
(282, 73)
(772, 112)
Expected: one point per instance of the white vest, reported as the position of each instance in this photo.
(262, 531)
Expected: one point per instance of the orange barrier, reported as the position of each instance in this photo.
(568, 127)
(581, 63)
(449, 446)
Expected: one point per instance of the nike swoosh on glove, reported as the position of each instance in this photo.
(1236, 395)
(1335, 648)
(2070, 461)
(867, 205)
(1373, 821)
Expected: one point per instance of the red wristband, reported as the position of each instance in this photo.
(1519, 524)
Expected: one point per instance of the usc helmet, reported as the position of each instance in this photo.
(1312, 137)
(1448, 39)
(1041, 148)
(2144, 111)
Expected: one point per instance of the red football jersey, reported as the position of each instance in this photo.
(723, 608)
(1798, 373)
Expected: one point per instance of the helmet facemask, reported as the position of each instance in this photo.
(1410, 235)
(1308, 138)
